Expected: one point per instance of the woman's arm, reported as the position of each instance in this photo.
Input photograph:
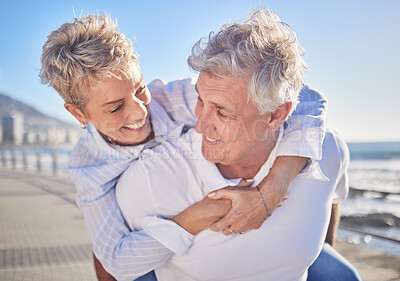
(129, 254)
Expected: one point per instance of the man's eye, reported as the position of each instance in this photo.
(199, 99)
(117, 108)
(221, 114)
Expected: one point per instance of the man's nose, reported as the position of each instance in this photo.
(204, 123)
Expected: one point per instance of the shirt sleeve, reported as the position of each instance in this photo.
(305, 128)
(169, 233)
(342, 180)
(178, 98)
(140, 204)
(124, 254)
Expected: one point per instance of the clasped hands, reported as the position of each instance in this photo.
(232, 209)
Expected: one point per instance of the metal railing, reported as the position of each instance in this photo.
(37, 159)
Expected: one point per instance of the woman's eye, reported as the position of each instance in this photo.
(117, 108)
(141, 90)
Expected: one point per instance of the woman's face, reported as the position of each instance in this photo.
(119, 109)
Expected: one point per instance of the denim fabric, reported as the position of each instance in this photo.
(332, 266)
(148, 277)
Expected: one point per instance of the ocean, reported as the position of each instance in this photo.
(372, 209)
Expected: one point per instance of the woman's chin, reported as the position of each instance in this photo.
(134, 136)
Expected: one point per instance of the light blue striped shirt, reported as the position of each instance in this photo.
(96, 165)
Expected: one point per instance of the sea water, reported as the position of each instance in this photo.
(374, 167)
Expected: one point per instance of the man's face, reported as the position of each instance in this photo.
(119, 109)
(232, 128)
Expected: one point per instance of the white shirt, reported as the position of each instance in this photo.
(282, 249)
(95, 167)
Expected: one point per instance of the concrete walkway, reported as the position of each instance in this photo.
(42, 232)
(43, 235)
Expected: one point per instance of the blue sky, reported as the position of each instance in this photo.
(352, 50)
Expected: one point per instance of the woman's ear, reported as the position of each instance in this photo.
(279, 116)
(76, 112)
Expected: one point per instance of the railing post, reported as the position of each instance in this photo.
(25, 159)
(4, 156)
(54, 162)
(13, 158)
(39, 161)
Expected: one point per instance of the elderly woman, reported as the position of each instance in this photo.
(93, 67)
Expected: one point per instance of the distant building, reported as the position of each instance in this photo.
(56, 135)
(29, 137)
(13, 129)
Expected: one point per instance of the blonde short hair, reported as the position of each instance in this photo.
(261, 47)
(80, 53)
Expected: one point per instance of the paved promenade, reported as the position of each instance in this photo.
(43, 235)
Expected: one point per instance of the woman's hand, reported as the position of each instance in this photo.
(201, 215)
(248, 209)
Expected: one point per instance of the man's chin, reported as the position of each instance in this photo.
(212, 156)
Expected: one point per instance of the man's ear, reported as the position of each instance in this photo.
(279, 116)
(76, 112)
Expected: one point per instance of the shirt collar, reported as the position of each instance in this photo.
(211, 176)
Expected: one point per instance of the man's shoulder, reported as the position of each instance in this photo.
(334, 148)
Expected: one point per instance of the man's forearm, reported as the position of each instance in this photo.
(333, 225)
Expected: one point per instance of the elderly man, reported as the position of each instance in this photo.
(250, 76)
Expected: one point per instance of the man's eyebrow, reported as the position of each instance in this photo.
(222, 107)
(215, 104)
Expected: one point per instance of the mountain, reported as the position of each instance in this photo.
(33, 119)
(31, 127)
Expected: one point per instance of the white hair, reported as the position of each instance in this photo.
(261, 47)
(78, 54)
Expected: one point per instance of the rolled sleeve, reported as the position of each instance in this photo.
(305, 143)
(304, 130)
(168, 233)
